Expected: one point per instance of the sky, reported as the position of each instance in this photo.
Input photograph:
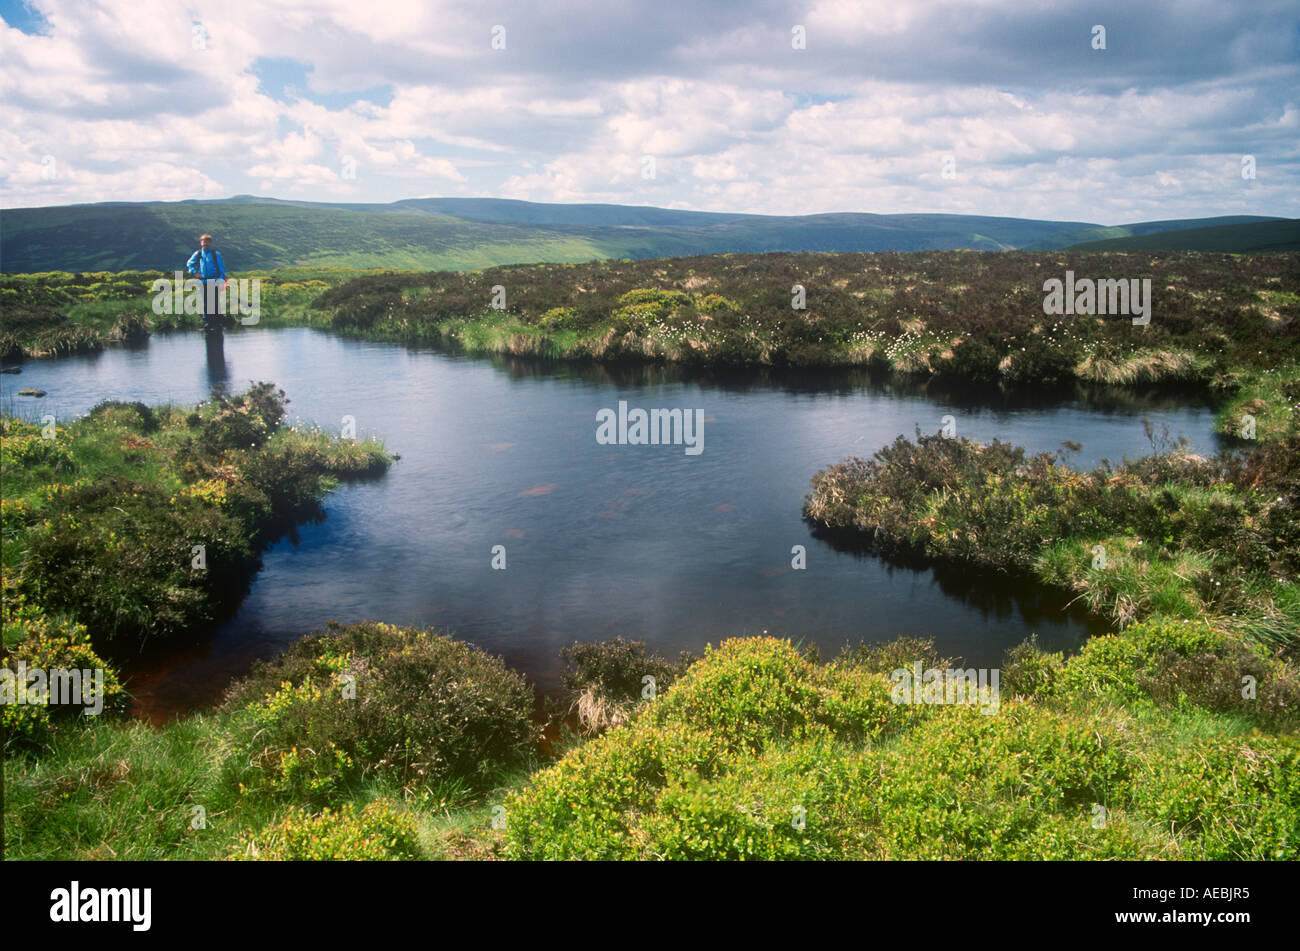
(1191, 109)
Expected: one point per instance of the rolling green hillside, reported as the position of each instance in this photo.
(117, 237)
(474, 233)
(1279, 234)
(457, 234)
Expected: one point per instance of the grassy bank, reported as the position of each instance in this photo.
(58, 313)
(1221, 322)
(357, 744)
(755, 751)
(972, 316)
(1172, 533)
(134, 523)
(1227, 323)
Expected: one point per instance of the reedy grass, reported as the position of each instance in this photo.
(1148, 366)
(1135, 581)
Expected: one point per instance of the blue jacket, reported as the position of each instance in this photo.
(208, 263)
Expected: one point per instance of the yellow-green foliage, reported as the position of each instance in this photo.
(746, 697)
(378, 832)
(42, 643)
(1231, 798)
(710, 303)
(758, 753)
(1186, 664)
(559, 318)
(23, 445)
(649, 305)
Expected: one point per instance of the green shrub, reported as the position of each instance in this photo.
(1030, 671)
(885, 658)
(46, 644)
(379, 832)
(115, 549)
(1106, 665)
(856, 702)
(616, 668)
(365, 311)
(754, 691)
(713, 303)
(1176, 662)
(969, 785)
(974, 361)
(136, 415)
(645, 306)
(244, 421)
(1087, 833)
(373, 699)
(739, 698)
(859, 776)
(560, 318)
(585, 805)
(1044, 361)
(1184, 536)
(117, 556)
(774, 807)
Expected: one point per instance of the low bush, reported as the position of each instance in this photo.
(606, 680)
(885, 658)
(27, 718)
(1175, 662)
(758, 753)
(118, 556)
(1170, 534)
(372, 700)
(379, 832)
(1028, 671)
(973, 361)
(141, 522)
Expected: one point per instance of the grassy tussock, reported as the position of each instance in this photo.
(1157, 366)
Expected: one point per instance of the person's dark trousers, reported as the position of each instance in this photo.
(211, 318)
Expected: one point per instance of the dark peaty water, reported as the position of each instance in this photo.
(647, 542)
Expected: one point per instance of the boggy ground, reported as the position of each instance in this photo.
(1227, 323)
(1173, 737)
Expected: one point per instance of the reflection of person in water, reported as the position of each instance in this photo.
(218, 369)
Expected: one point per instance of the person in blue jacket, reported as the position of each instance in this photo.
(207, 265)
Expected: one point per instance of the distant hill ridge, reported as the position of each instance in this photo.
(471, 233)
(1244, 237)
